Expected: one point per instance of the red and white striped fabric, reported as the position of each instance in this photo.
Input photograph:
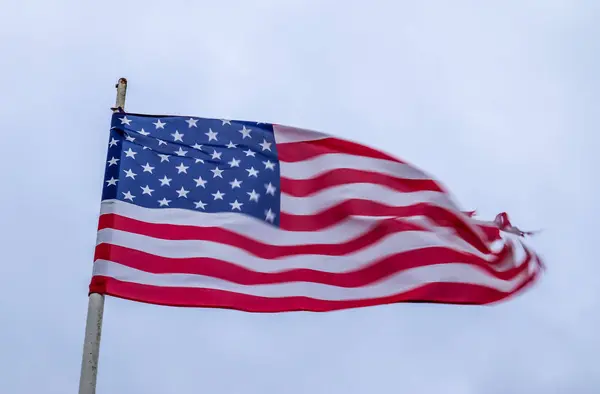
(357, 228)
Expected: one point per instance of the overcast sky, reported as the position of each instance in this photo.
(498, 99)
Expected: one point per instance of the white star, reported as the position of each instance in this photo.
(165, 181)
(113, 142)
(161, 142)
(113, 161)
(143, 132)
(253, 195)
(236, 205)
(225, 121)
(128, 196)
(218, 195)
(211, 135)
(235, 183)
(200, 204)
(146, 190)
(159, 124)
(216, 155)
(164, 202)
(234, 163)
(129, 174)
(192, 122)
(231, 145)
(249, 153)
(181, 152)
(217, 173)
(265, 145)
(130, 153)
(182, 192)
(252, 172)
(163, 157)
(126, 121)
(112, 181)
(129, 138)
(148, 168)
(269, 215)
(269, 165)
(200, 182)
(146, 147)
(245, 132)
(270, 189)
(177, 136)
(199, 161)
(181, 168)
(197, 146)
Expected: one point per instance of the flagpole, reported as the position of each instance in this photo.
(93, 324)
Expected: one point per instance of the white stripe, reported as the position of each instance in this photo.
(428, 224)
(259, 231)
(487, 223)
(248, 226)
(395, 284)
(327, 198)
(285, 134)
(315, 166)
(392, 244)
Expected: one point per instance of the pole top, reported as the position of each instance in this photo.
(121, 92)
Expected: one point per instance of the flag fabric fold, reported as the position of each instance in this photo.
(261, 217)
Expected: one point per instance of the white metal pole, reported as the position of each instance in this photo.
(91, 345)
(93, 324)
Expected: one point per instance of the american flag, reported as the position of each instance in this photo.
(262, 217)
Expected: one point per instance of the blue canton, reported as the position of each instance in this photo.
(200, 164)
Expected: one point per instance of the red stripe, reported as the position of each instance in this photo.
(448, 293)
(354, 207)
(369, 273)
(343, 176)
(492, 233)
(380, 230)
(297, 151)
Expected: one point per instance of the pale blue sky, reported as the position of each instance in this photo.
(498, 99)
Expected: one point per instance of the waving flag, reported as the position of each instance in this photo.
(266, 218)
